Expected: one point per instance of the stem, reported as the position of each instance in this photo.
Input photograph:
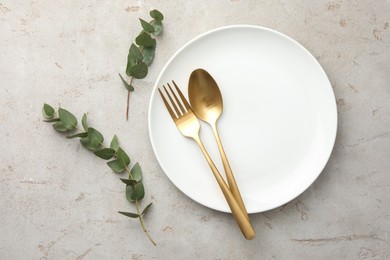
(141, 221)
(128, 100)
(129, 172)
(81, 130)
(128, 92)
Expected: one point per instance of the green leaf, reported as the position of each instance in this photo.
(129, 214)
(85, 134)
(114, 143)
(67, 119)
(60, 127)
(127, 85)
(147, 26)
(47, 111)
(106, 153)
(129, 192)
(93, 140)
(51, 120)
(144, 39)
(139, 191)
(138, 71)
(122, 157)
(148, 53)
(134, 56)
(121, 162)
(84, 122)
(146, 208)
(136, 172)
(135, 53)
(128, 181)
(158, 27)
(156, 15)
(116, 166)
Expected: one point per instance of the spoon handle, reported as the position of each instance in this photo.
(240, 216)
(228, 171)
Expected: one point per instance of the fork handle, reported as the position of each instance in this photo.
(242, 221)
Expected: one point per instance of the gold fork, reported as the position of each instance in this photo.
(188, 125)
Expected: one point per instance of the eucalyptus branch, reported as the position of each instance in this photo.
(142, 53)
(92, 139)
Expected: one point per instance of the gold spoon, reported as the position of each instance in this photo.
(206, 102)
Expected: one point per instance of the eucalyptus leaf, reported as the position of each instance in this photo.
(136, 172)
(93, 140)
(60, 127)
(156, 15)
(116, 166)
(82, 135)
(134, 56)
(146, 208)
(105, 153)
(122, 157)
(128, 181)
(114, 143)
(144, 39)
(129, 214)
(148, 53)
(158, 27)
(84, 122)
(67, 119)
(51, 120)
(138, 71)
(135, 52)
(129, 193)
(47, 111)
(139, 191)
(127, 85)
(147, 26)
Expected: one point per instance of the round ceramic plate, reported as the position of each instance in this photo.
(278, 124)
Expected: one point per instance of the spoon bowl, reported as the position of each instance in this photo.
(205, 96)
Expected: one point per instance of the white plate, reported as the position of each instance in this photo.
(278, 124)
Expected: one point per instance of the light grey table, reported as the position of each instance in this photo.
(59, 201)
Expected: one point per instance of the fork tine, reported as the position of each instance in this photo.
(185, 102)
(173, 103)
(177, 100)
(174, 117)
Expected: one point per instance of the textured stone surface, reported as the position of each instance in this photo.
(59, 201)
